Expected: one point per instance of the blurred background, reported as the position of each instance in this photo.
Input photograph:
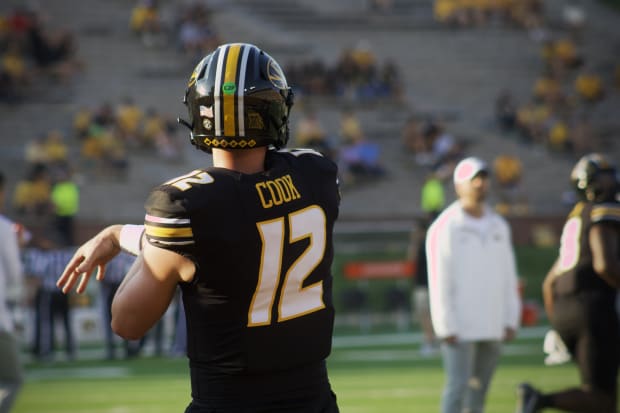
(394, 91)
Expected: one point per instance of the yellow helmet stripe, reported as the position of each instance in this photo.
(230, 76)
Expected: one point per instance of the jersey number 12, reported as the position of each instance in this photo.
(295, 299)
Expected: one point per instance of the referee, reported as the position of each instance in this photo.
(50, 303)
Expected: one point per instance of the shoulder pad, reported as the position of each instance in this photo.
(605, 212)
(301, 151)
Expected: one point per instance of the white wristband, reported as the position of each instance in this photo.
(131, 238)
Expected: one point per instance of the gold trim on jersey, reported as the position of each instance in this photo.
(168, 232)
(577, 209)
(602, 212)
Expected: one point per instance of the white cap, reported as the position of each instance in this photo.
(468, 168)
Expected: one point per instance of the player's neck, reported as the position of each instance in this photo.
(247, 161)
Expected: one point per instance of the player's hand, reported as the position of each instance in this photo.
(509, 334)
(94, 254)
(453, 339)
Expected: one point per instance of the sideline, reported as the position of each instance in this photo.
(369, 340)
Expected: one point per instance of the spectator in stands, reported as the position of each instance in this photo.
(532, 120)
(583, 140)
(35, 152)
(558, 135)
(310, 133)
(506, 110)
(574, 19)
(82, 120)
(350, 126)
(360, 159)
(415, 142)
(146, 22)
(32, 194)
(560, 55)
(508, 173)
(589, 86)
(196, 35)
(159, 132)
(446, 150)
(56, 150)
(547, 89)
(15, 66)
(129, 118)
(473, 288)
(54, 52)
(390, 82)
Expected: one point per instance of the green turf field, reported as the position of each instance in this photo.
(369, 373)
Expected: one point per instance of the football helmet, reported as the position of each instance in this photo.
(585, 178)
(238, 98)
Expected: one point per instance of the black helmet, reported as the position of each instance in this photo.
(238, 98)
(584, 177)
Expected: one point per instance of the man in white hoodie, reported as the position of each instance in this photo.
(10, 272)
(474, 297)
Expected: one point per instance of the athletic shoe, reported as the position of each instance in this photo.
(527, 398)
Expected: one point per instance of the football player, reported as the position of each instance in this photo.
(249, 241)
(580, 291)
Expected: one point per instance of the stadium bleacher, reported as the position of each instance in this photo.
(454, 74)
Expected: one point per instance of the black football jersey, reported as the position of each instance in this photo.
(261, 297)
(575, 260)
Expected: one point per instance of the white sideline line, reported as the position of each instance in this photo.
(77, 372)
(413, 338)
(382, 355)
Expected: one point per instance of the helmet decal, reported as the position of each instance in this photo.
(196, 71)
(276, 75)
(229, 88)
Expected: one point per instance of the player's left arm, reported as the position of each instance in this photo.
(147, 290)
(547, 288)
(604, 245)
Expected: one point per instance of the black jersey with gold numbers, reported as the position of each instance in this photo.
(575, 261)
(261, 297)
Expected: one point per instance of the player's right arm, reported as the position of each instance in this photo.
(604, 246)
(147, 290)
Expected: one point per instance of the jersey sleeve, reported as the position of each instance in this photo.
(167, 223)
(607, 212)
